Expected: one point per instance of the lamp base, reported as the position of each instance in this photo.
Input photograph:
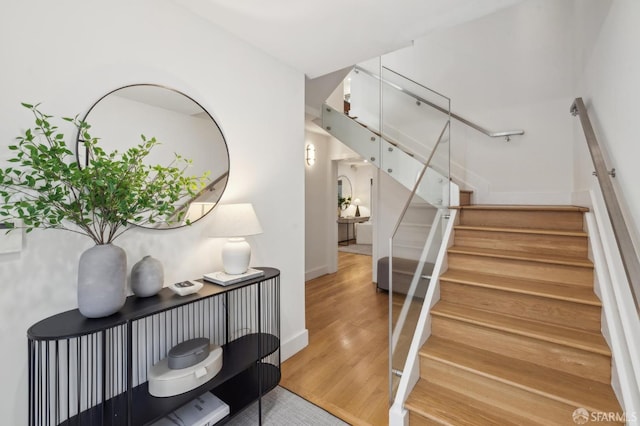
(236, 254)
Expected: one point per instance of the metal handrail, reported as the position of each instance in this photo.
(419, 180)
(505, 134)
(208, 188)
(621, 231)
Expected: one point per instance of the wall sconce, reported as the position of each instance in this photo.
(310, 155)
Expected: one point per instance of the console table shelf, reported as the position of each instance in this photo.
(93, 371)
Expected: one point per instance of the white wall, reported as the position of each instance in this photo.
(512, 69)
(66, 55)
(320, 210)
(608, 65)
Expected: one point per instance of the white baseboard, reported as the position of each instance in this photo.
(294, 345)
(582, 198)
(316, 272)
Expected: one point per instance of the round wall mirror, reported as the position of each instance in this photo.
(345, 192)
(180, 124)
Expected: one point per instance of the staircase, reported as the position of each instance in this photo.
(515, 338)
(389, 156)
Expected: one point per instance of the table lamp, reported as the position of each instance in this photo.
(357, 203)
(235, 221)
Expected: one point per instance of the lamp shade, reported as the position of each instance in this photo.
(234, 220)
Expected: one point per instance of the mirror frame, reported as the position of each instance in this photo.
(224, 140)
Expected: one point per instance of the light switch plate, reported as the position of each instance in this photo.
(11, 242)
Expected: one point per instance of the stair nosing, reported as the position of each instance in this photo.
(478, 406)
(600, 349)
(505, 365)
(483, 278)
(514, 230)
(524, 256)
(531, 207)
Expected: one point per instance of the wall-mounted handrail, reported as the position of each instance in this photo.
(203, 191)
(620, 229)
(504, 134)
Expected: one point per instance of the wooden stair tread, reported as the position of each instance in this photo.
(522, 230)
(557, 385)
(571, 337)
(445, 406)
(532, 257)
(557, 291)
(531, 207)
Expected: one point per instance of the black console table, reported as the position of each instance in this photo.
(94, 371)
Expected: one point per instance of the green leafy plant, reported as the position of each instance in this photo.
(45, 188)
(344, 202)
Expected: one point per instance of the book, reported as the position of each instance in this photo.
(205, 410)
(222, 278)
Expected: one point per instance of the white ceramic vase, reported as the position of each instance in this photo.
(102, 277)
(147, 277)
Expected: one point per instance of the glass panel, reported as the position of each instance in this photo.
(413, 117)
(403, 128)
(358, 138)
(415, 151)
(364, 94)
(413, 251)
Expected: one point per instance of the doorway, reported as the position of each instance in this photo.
(355, 203)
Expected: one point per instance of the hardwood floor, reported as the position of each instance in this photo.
(344, 368)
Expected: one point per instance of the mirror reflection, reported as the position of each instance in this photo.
(181, 126)
(344, 192)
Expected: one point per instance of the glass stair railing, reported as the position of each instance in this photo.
(401, 165)
(413, 249)
(403, 128)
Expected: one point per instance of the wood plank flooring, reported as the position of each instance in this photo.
(344, 368)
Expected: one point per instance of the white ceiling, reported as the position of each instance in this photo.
(321, 36)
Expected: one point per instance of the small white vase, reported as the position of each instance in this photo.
(147, 277)
(102, 277)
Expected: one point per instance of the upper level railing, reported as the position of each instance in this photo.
(504, 134)
(620, 229)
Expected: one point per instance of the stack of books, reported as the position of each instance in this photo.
(205, 410)
(222, 278)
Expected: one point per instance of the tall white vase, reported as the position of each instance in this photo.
(102, 276)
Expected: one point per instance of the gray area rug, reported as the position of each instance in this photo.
(281, 407)
(365, 249)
